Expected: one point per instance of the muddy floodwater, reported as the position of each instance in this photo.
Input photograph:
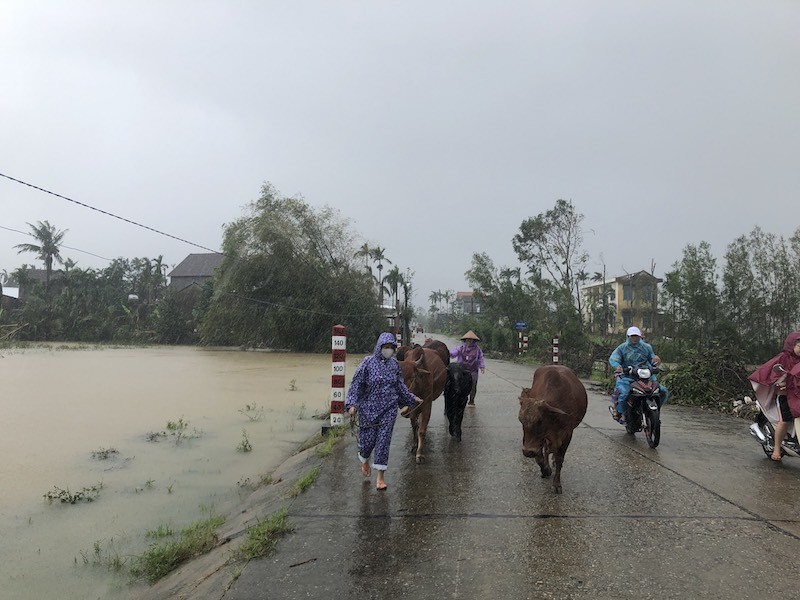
(77, 418)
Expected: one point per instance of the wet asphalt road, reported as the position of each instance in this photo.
(705, 515)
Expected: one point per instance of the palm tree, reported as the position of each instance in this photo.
(377, 254)
(448, 297)
(49, 247)
(434, 300)
(407, 314)
(158, 278)
(393, 279)
(364, 252)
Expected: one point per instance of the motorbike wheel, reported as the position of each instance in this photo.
(652, 429)
(769, 433)
(632, 419)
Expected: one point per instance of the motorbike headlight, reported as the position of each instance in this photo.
(643, 373)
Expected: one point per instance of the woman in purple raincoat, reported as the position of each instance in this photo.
(375, 392)
(471, 356)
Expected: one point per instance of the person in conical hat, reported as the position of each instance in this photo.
(471, 356)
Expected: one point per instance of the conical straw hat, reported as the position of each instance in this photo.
(470, 335)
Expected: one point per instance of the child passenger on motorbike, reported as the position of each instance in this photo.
(634, 352)
(785, 383)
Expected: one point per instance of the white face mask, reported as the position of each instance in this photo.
(387, 352)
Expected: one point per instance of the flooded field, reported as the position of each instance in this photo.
(155, 433)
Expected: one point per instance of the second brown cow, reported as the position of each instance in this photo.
(549, 411)
(425, 375)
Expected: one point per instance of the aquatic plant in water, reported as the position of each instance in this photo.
(178, 429)
(87, 494)
(104, 453)
(253, 412)
(244, 445)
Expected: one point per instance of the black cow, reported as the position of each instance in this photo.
(456, 394)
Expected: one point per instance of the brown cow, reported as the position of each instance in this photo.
(549, 411)
(425, 375)
(401, 351)
(441, 349)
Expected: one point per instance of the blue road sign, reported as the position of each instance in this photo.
(521, 325)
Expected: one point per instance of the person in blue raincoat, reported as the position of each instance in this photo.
(375, 392)
(634, 352)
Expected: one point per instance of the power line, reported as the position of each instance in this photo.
(256, 300)
(62, 245)
(35, 187)
(298, 309)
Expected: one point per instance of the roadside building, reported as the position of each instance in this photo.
(194, 270)
(613, 305)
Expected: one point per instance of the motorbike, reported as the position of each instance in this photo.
(643, 404)
(763, 428)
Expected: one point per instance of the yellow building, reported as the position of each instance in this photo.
(613, 305)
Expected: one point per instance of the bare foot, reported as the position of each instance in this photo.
(365, 470)
(381, 485)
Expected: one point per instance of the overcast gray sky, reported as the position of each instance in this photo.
(437, 127)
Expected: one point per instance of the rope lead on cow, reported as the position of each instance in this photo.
(353, 424)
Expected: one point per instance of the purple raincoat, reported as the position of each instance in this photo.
(470, 355)
(376, 390)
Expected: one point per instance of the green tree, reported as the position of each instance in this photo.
(378, 255)
(506, 298)
(736, 297)
(551, 242)
(690, 291)
(364, 252)
(448, 297)
(760, 297)
(170, 322)
(48, 248)
(393, 281)
(601, 306)
(434, 298)
(288, 275)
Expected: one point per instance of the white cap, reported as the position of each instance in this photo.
(634, 331)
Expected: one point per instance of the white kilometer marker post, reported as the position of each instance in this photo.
(338, 358)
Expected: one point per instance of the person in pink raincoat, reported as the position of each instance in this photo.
(780, 388)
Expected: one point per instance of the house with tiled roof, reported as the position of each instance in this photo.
(466, 303)
(195, 269)
(38, 277)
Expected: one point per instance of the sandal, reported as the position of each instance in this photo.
(775, 459)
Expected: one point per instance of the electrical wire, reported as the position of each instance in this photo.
(294, 308)
(36, 187)
(62, 245)
(256, 300)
